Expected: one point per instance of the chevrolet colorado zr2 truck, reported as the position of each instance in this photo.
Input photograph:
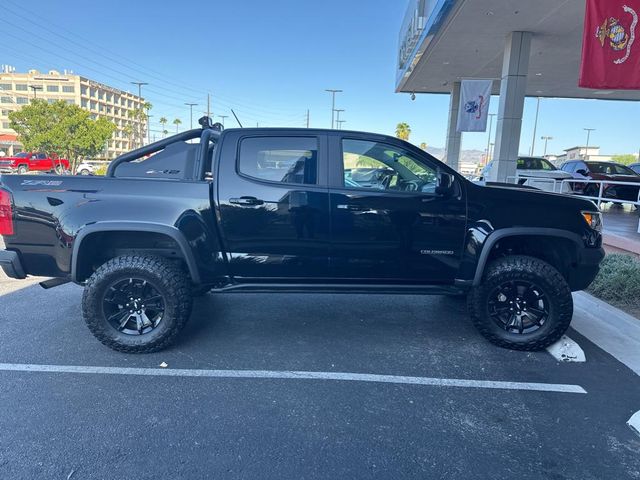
(296, 210)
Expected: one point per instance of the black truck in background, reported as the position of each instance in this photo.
(296, 210)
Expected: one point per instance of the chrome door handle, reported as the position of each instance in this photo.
(246, 201)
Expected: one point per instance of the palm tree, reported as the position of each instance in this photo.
(403, 131)
(177, 123)
(163, 121)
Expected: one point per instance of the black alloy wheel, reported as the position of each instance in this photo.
(518, 307)
(133, 306)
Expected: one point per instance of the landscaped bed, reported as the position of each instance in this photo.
(618, 283)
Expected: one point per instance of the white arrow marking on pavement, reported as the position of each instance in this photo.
(566, 350)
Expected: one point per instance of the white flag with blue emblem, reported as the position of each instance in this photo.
(475, 96)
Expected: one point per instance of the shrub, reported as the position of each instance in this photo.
(618, 281)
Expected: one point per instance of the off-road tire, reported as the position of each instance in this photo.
(530, 269)
(171, 281)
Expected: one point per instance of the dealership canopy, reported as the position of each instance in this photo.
(531, 48)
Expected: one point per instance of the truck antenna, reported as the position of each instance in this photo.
(237, 120)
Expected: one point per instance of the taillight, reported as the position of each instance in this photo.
(6, 214)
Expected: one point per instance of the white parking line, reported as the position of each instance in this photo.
(634, 422)
(269, 374)
(567, 350)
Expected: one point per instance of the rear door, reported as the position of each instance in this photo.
(273, 204)
(388, 222)
(40, 162)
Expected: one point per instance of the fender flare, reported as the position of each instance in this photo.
(167, 230)
(498, 235)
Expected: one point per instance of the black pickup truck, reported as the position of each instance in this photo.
(296, 210)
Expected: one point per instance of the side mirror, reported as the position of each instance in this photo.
(445, 186)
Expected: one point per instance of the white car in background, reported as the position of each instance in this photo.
(85, 168)
(538, 173)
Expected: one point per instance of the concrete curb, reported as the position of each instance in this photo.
(613, 330)
(621, 243)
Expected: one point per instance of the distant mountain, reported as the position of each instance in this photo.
(466, 156)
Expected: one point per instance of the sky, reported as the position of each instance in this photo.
(271, 61)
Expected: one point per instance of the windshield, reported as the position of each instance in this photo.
(22, 155)
(535, 164)
(609, 169)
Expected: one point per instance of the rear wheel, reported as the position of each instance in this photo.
(523, 303)
(84, 171)
(137, 304)
(59, 169)
(22, 169)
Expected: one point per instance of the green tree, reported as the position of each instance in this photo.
(163, 121)
(62, 129)
(625, 159)
(423, 146)
(403, 131)
(177, 123)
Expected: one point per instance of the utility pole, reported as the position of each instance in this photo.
(208, 105)
(35, 89)
(338, 112)
(535, 129)
(191, 105)
(546, 141)
(307, 118)
(333, 105)
(588, 130)
(223, 117)
(140, 85)
(149, 128)
(340, 122)
(491, 115)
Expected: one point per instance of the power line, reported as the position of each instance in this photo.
(148, 72)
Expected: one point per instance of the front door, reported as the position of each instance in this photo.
(388, 222)
(274, 206)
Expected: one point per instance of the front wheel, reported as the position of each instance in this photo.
(137, 304)
(22, 169)
(523, 303)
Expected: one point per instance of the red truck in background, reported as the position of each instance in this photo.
(38, 162)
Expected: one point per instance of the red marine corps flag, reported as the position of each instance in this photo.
(611, 47)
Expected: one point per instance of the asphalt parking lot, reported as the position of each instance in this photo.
(112, 422)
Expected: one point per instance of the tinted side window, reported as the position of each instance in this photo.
(378, 166)
(569, 167)
(280, 159)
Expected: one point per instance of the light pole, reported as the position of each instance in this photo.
(586, 151)
(340, 122)
(35, 89)
(191, 105)
(546, 141)
(535, 129)
(140, 85)
(223, 117)
(333, 104)
(338, 112)
(491, 115)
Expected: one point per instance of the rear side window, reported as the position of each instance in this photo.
(280, 159)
